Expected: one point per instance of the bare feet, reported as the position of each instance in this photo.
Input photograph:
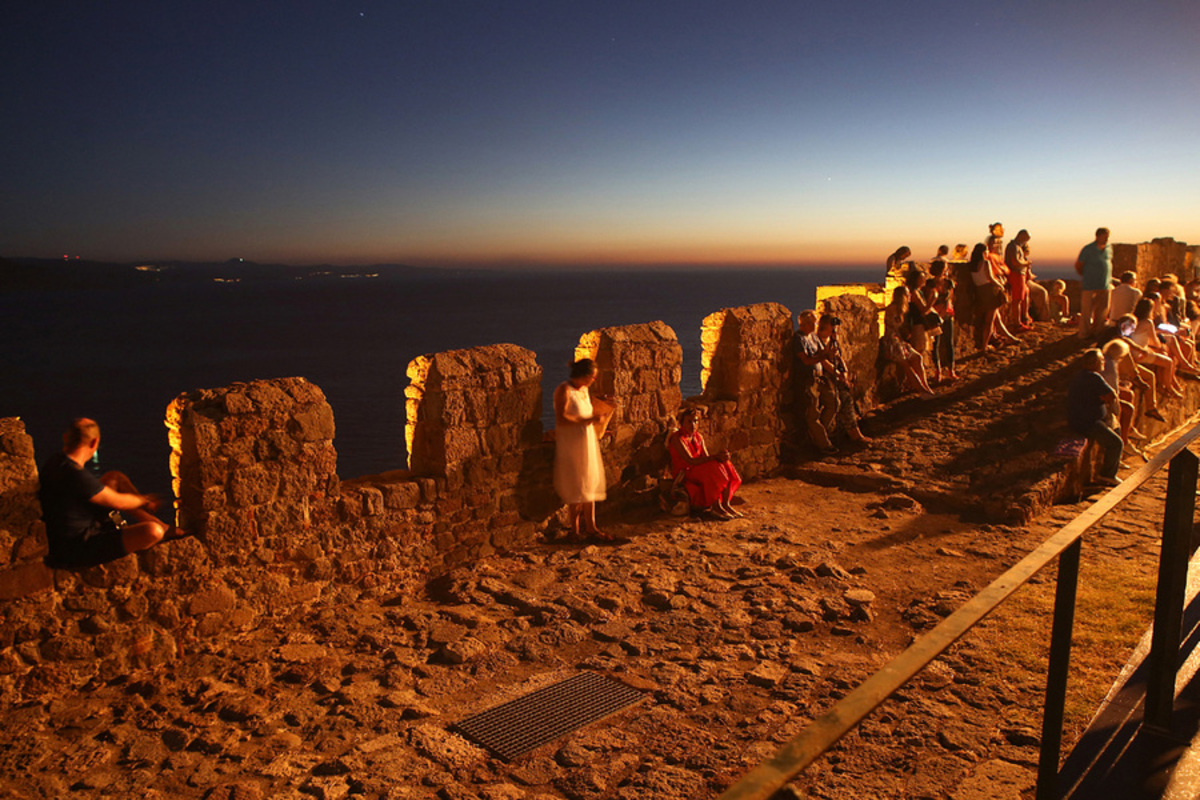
(732, 512)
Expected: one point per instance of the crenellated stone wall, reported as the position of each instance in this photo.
(640, 366)
(253, 465)
(276, 528)
(1156, 258)
(746, 374)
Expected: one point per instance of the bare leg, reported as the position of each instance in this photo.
(573, 514)
(1151, 380)
(149, 529)
(916, 371)
(1003, 330)
(587, 519)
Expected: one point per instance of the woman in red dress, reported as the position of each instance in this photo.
(710, 480)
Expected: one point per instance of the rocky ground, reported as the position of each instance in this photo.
(739, 633)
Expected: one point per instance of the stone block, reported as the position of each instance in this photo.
(312, 424)
(254, 485)
(217, 598)
(22, 580)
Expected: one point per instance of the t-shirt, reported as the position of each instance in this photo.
(1016, 257)
(809, 345)
(1096, 267)
(1123, 300)
(65, 493)
(1086, 400)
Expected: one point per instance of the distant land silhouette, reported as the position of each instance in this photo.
(49, 273)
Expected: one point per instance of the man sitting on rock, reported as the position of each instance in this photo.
(1089, 400)
(78, 507)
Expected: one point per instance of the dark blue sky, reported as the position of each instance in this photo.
(523, 132)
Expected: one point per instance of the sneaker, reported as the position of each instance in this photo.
(1154, 413)
(1104, 480)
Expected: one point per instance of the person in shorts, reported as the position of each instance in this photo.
(77, 506)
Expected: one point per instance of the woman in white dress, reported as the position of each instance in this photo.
(578, 469)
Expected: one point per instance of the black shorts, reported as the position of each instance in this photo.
(101, 542)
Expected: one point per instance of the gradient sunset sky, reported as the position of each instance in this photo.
(563, 132)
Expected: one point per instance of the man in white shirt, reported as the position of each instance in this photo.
(1124, 297)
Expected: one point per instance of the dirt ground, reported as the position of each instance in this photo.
(739, 633)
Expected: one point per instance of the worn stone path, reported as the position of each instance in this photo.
(984, 445)
(738, 632)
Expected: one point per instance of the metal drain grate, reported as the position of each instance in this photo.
(518, 726)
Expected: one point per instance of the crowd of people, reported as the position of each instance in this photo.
(1142, 340)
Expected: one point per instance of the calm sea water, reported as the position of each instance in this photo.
(122, 355)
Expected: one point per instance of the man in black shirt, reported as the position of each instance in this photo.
(1089, 401)
(77, 505)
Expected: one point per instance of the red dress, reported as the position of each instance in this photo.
(705, 483)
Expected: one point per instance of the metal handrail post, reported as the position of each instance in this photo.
(1172, 585)
(1056, 673)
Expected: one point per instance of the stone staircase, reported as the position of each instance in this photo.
(985, 445)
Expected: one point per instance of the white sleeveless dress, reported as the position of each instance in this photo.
(578, 468)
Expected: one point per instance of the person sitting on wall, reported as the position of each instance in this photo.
(940, 291)
(82, 511)
(1089, 402)
(710, 480)
(1155, 352)
(1172, 311)
(897, 260)
(1060, 304)
(1125, 296)
(837, 378)
(816, 404)
(989, 299)
(1143, 378)
(895, 347)
(960, 253)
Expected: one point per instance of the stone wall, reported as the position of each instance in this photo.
(858, 338)
(22, 535)
(640, 366)
(253, 466)
(1156, 258)
(256, 476)
(746, 366)
(60, 628)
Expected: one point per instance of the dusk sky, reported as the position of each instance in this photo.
(564, 132)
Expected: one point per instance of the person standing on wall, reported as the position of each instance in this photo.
(1020, 278)
(1094, 266)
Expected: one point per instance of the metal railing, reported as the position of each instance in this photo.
(806, 747)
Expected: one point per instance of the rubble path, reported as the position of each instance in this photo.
(739, 633)
(984, 443)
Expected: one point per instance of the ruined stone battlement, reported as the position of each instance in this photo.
(255, 474)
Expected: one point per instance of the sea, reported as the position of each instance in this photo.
(121, 355)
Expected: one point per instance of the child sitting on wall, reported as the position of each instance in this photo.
(1060, 304)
